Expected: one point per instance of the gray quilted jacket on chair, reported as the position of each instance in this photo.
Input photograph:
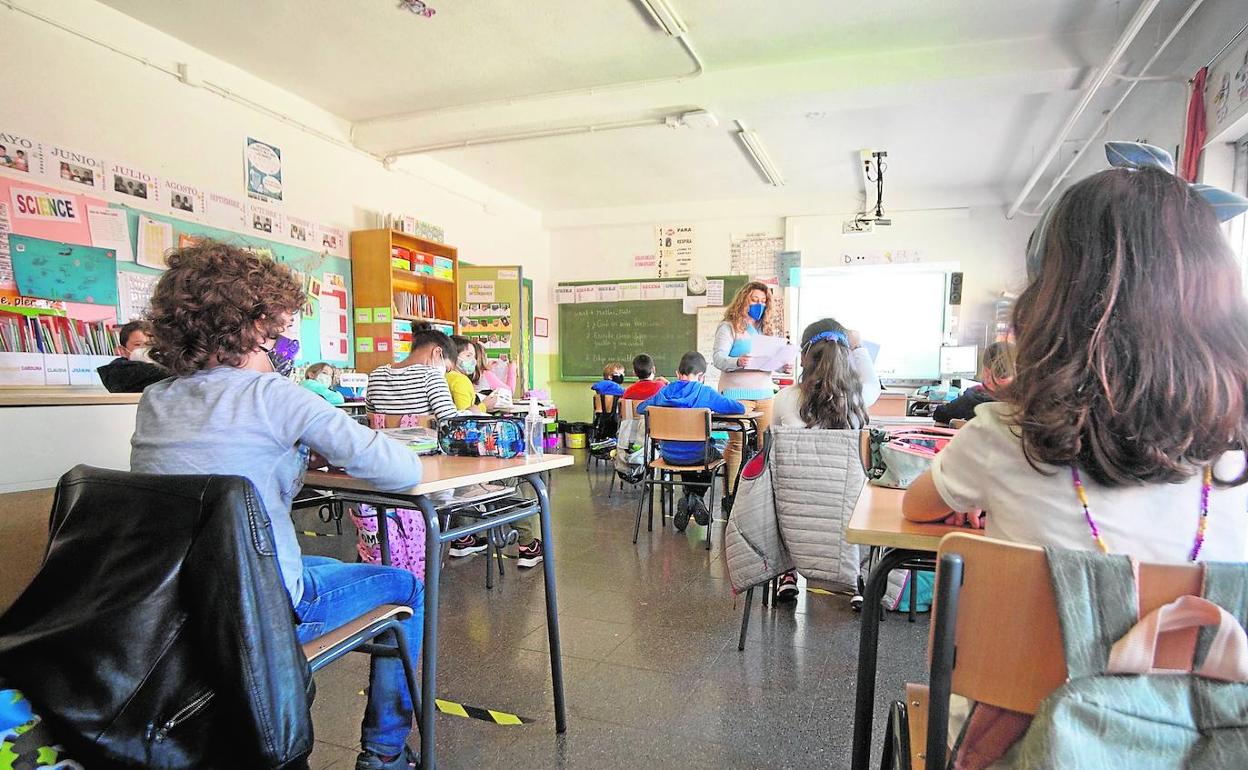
(794, 514)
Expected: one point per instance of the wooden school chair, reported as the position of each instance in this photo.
(1004, 653)
(665, 423)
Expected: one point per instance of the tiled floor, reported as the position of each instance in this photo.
(654, 678)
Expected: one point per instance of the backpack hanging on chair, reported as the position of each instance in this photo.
(606, 426)
(1118, 710)
(630, 449)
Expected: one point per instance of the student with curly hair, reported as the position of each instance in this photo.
(218, 314)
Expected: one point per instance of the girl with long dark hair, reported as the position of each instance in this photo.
(838, 383)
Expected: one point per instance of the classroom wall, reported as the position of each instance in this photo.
(62, 87)
(988, 247)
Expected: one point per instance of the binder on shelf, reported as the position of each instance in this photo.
(22, 369)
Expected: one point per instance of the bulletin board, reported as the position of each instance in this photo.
(73, 229)
(310, 263)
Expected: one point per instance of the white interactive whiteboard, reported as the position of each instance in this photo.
(899, 307)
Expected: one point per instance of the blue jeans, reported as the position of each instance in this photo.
(335, 593)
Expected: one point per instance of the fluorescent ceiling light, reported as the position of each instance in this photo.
(665, 16)
(750, 141)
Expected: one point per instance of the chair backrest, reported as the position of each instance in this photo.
(1008, 640)
(628, 409)
(667, 423)
(377, 421)
(604, 404)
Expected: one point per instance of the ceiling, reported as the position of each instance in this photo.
(962, 95)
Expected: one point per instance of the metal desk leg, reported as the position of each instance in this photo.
(552, 607)
(868, 650)
(429, 646)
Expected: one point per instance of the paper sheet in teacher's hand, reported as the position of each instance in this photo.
(770, 354)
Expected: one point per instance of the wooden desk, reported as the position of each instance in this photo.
(442, 473)
(877, 522)
(889, 404)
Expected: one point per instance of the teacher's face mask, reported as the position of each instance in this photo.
(756, 311)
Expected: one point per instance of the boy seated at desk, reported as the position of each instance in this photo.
(230, 408)
(647, 383)
(996, 372)
(689, 392)
(612, 382)
(133, 369)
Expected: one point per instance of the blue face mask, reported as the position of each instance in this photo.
(756, 311)
(467, 365)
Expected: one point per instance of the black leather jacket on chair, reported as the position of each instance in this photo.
(158, 632)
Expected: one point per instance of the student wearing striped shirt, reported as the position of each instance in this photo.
(417, 385)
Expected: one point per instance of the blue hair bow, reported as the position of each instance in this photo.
(825, 336)
(1135, 156)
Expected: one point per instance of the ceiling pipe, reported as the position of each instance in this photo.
(1124, 41)
(523, 136)
(681, 36)
(1109, 114)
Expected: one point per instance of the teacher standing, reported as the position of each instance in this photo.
(748, 315)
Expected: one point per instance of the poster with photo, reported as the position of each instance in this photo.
(133, 185)
(62, 165)
(20, 153)
(478, 317)
(332, 240)
(184, 201)
(225, 212)
(265, 221)
(300, 232)
(263, 163)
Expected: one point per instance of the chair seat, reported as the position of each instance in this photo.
(916, 716)
(663, 465)
(331, 639)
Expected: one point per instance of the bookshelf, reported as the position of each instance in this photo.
(421, 290)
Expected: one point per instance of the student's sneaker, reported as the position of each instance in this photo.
(367, 760)
(467, 546)
(787, 590)
(701, 514)
(530, 555)
(681, 519)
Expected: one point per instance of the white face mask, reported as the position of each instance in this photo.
(325, 379)
(142, 354)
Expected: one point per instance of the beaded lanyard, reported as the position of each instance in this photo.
(1200, 528)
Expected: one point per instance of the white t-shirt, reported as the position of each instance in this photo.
(787, 405)
(983, 468)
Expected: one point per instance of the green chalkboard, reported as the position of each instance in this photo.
(592, 333)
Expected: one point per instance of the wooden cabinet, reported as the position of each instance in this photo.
(420, 289)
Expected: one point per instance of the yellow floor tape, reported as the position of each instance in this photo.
(476, 712)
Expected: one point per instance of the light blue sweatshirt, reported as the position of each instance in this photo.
(238, 422)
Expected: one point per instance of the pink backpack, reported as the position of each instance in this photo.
(406, 538)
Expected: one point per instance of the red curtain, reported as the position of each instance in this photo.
(1194, 140)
